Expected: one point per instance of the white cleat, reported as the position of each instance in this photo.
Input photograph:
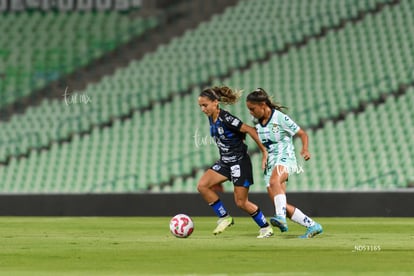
(265, 232)
(223, 224)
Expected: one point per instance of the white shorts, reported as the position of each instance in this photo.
(289, 165)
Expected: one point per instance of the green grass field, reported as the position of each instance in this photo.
(144, 246)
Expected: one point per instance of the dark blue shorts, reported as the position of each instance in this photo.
(240, 173)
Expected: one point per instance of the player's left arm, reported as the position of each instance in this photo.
(304, 138)
(251, 131)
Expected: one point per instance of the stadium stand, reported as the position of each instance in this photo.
(332, 62)
(37, 48)
(121, 93)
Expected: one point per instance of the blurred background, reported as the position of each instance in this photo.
(100, 97)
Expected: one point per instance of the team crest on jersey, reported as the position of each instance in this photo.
(220, 130)
(274, 127)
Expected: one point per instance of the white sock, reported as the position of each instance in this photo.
(302, 219)
(280, 205)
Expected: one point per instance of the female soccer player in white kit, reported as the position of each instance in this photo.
(275, 130)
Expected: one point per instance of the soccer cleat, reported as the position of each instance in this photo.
(279, 222)
(265, 232)
(312, 231)
(222, 224)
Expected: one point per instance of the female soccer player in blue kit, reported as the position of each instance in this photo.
(234, 164)
(275, 130)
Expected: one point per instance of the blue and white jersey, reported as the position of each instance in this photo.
(227, 135)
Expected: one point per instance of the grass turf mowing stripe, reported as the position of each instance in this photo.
(144, 246)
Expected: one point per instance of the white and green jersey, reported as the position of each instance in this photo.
(276, 135)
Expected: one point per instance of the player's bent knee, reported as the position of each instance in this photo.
(202, 186)
(241, 204)
(274, 184)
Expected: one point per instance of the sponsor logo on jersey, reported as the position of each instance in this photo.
(235, 171)
(216, 167)
(235, 122)
(293, 127)
(228, 118)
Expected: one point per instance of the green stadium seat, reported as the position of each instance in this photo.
(57, 44)
(318, 81)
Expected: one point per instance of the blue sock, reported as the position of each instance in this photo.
(259, 218)
(219, 209)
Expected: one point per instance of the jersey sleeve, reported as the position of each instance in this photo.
(232, 121)
(288, 124)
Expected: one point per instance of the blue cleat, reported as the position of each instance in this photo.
(279, 222)
(312, 231)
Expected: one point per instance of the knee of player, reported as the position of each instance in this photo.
(199, 186)
(274, 183)
(202, 185)
(240, 203)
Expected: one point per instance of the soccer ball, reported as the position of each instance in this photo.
(181, 226)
